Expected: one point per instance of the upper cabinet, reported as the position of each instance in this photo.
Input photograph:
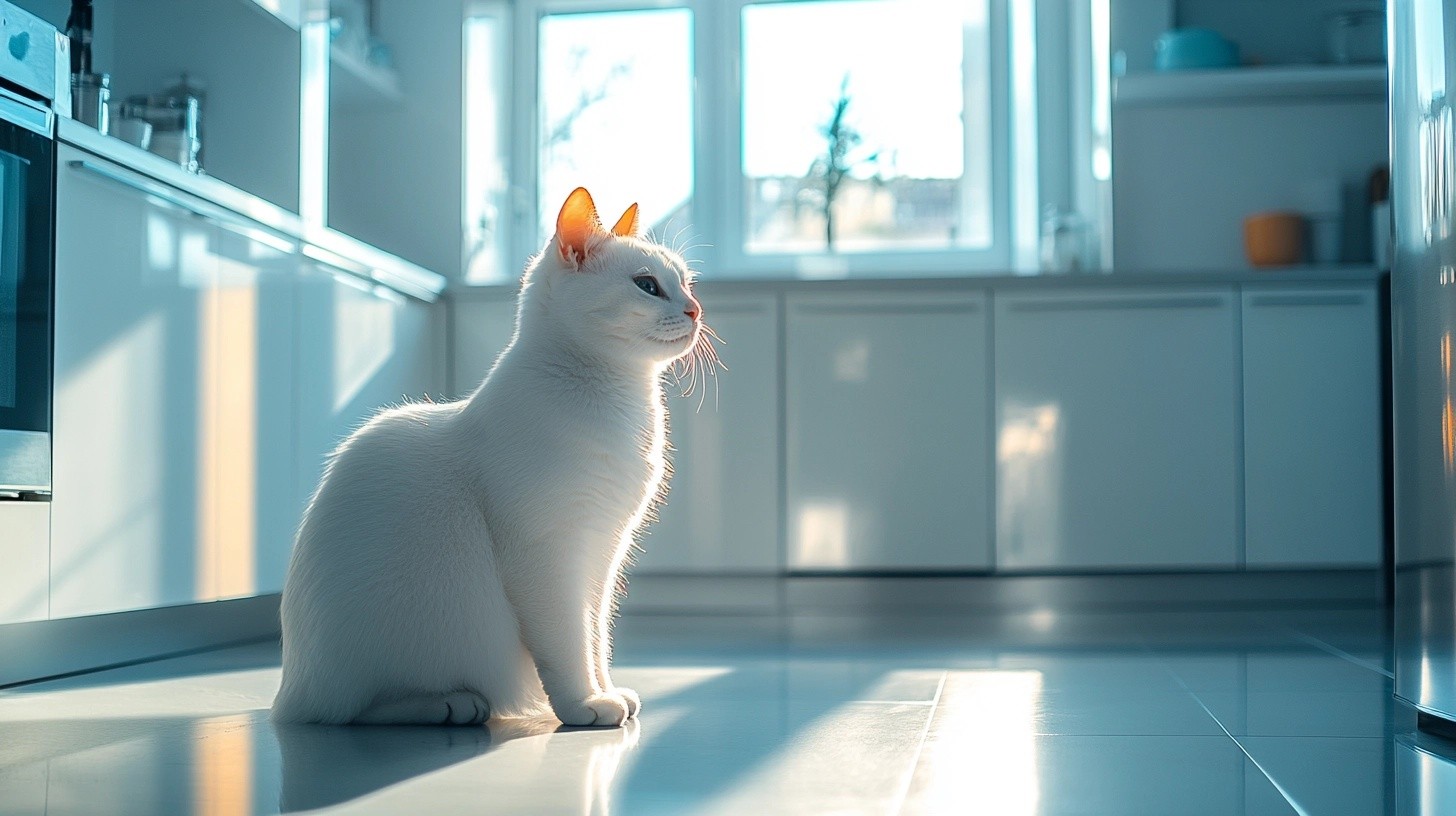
(887, 432)
(1117, 424)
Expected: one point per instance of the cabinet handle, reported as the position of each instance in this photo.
(207, 212)
(1107, 304)
(1307, 300)
(889, 309)
(143, 186)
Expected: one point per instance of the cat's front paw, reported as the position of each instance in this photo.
(634, 703)
(608, 710)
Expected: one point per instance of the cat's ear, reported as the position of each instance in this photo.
(578, 226)
(627, 225)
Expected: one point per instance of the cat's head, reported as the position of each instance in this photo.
(612, 291)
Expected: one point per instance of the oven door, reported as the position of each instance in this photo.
(27, 208)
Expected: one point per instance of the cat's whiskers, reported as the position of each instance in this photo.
(700, 363)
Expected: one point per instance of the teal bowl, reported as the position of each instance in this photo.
(1183, 49)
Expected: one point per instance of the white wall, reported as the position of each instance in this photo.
(395, 168)
(1184, 177)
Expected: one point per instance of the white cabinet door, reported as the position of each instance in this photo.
(722, 514)
(361, 347)
(25, 529)
(1312, 427)
(1117, 430)
(248, 489)
(133, 281)
(887, 432)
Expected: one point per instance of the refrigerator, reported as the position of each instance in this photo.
(1423, 354)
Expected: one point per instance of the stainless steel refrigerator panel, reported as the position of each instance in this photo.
(1423, 325)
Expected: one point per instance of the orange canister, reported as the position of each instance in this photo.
(1275, 238)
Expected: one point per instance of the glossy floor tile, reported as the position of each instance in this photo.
(1149, 712)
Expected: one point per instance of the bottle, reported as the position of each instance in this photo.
(78, 28)
(1381, 227)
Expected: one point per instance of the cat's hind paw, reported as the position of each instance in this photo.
(608, 710)
(450, 708)
(465, 708)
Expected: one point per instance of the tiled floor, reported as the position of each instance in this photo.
(1234, 712)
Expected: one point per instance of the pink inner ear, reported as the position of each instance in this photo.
(578, 226)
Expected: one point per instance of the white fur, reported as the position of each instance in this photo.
(462, 558)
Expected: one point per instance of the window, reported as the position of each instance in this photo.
(865, 126)
(798, 137)
(486, 207)
(616, 114)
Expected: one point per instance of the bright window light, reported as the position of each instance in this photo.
(866, 126)
(616, 115)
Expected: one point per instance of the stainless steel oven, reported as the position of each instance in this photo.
(31, 81)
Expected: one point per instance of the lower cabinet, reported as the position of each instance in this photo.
(1117, 422)
(360, 347)
(722, 514)
(1312, 444)
(24, 550)
(888, 421)
(248, 395)
(135, 290)
(200, 375)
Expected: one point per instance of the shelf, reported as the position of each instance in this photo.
(357, 84)
(1251, 85)
(288, 12)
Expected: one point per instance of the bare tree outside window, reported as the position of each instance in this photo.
(866, 149)
(840, 158)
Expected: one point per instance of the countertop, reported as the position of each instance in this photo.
(1299, 276)
(329, 246)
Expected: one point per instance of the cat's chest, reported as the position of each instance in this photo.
(602, 457)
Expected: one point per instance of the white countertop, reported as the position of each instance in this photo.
(1299, 276)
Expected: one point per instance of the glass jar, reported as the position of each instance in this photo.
(1357, 36)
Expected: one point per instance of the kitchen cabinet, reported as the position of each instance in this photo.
(24, 550)
(134, 294)
(887, 432)
(1312, 438)
(1117, 430)
(248, 394)
(203, 368)
(360, 347)
(722, 514)
(174, 454)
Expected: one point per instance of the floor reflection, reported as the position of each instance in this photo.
(1232, 712)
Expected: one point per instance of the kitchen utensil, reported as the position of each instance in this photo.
(89, 95)
(1275, 238)
(1066, 242)
(135, 131)
(175, 116)
(1194, 48)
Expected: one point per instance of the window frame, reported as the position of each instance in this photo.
(720, 189)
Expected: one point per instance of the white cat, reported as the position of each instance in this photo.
(459, 559)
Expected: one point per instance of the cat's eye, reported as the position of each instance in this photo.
(648, 284)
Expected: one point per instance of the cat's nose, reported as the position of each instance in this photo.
(693, 311)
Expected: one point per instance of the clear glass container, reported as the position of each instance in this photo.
(1357, 37)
